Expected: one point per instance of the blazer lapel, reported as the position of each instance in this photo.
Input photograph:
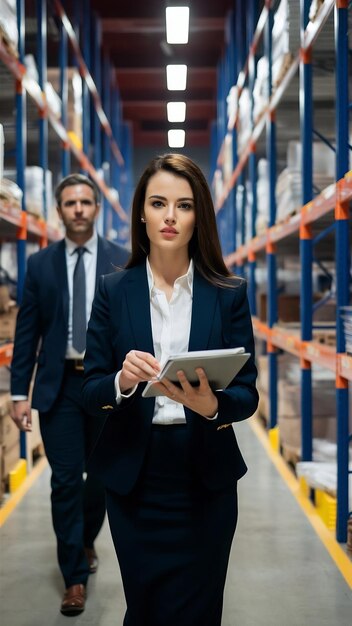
(59, 261)
(203, 310)
(138, 302)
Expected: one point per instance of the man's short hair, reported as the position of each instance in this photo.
(76, 179)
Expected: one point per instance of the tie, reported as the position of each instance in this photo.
(79, 323)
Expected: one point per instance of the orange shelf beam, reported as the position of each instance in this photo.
(34, 225)
(6, 354)
(311, 351)
(321, 205)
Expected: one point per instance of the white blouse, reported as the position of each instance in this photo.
(171, 325)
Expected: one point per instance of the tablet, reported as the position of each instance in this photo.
(220, 366)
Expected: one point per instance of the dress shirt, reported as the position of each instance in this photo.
(171, 325)
(90, 266)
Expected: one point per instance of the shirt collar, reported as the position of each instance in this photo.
(90, 245)
(186, 281)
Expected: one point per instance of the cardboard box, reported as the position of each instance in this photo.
(10, 459)
(289, 401)
(288, 307)
(33, 439)
(2, 490)
(5, 376)
(9, 433)
(8, 324)
(290, 430)
(5, 400)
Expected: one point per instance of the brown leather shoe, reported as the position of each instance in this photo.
(74, 600)
(92, 559)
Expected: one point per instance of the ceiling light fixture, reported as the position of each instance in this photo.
(176, 77)
(177, 24)
(176, 111)
(176, 138)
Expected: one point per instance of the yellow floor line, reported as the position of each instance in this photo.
(333, 547)
(16, 497)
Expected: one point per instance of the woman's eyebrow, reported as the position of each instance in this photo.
(164, 198)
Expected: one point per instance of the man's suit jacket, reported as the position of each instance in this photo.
(121, 322)
(43, 320)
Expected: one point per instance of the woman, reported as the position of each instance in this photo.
(170, 465)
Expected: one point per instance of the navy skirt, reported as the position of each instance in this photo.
(172, 538)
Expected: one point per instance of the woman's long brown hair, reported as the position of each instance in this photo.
(204, 246)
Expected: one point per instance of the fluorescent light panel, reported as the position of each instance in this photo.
(176, 138)
(176, 111)
(176, 77)
(177, 24)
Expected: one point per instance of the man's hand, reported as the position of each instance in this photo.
(21, 415)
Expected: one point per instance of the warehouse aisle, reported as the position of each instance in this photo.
(280, 573)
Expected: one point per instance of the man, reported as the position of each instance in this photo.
(50, 333)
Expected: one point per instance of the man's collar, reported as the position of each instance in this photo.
(90, 245)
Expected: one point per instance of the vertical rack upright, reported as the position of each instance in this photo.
(333, 201)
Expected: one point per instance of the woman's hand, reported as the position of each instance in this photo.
(137, 367)
(200, 399)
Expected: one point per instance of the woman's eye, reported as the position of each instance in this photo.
(186, 206)
(157, 203)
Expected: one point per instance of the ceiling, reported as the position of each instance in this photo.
(134, 35)
(134, 39)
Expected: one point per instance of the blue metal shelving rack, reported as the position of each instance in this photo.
(337, 204)
(95, 117)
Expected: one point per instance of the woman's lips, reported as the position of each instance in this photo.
(169, 233)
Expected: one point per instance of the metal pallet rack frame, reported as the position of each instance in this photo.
(100, 141)
(334, 201)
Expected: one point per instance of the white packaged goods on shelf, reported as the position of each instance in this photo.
(10, 194)
(323, 158)
(31, 67)
(247, 211)
(323, 475)
(53, 99)
(289, 182)
(244, 125)
(260, 89)
(288, 193)
(262, 196)
(34, 190)
(8, 24)
(314, 9)
(218, 185)
(232, 104)
(227, 167)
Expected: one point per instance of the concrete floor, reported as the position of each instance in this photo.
(280, 574)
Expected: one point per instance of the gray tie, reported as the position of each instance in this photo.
(79, 322)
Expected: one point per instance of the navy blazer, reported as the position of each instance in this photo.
(120, 322)
(43, 320)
